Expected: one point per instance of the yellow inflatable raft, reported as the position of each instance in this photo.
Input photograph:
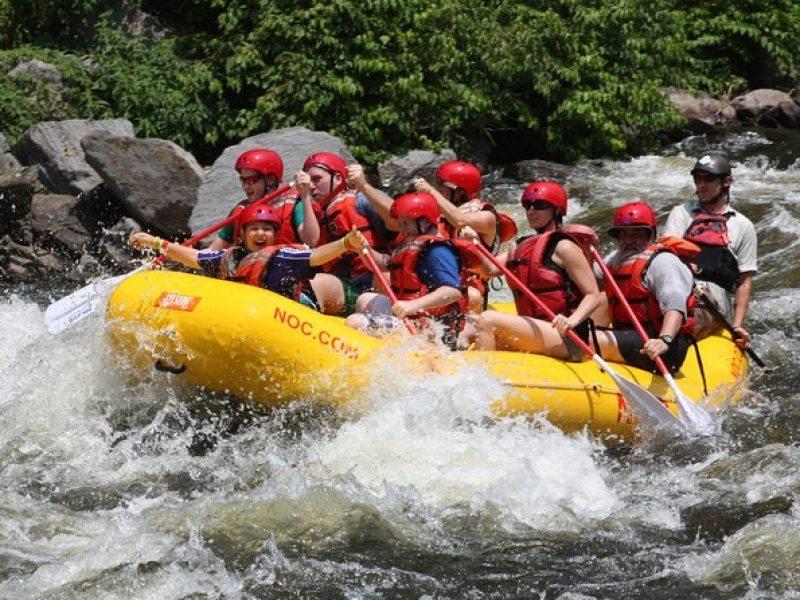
(260, 346)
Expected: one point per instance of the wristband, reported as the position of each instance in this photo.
(156, 243)
(164, 244)
(344, 244)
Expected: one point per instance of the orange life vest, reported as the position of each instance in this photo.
(339, 216)
(630, 277)
(250, 268)
(533, 264)
(405, 280)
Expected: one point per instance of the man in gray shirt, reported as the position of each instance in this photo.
(727, 261)
(658, 287)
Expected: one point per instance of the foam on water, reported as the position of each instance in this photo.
(434, 436)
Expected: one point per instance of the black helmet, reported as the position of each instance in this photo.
(714, 163)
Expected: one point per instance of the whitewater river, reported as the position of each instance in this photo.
(116, 488)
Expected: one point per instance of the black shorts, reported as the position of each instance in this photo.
(629, 343)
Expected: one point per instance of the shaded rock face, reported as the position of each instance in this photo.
(17, 188)
(396, 174)
(56, 147)
(221, 189)
(154, 181)
(55, 224)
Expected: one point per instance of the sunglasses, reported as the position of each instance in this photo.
(536, 205)
(250, 179)
(705, 177)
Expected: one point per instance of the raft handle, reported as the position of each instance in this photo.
(169, 369)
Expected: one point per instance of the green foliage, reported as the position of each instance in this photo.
(162, 94)
(25, 99)
(580, 77)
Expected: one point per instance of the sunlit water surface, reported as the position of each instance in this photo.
(121, 487)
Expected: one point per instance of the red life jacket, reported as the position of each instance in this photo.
(338, 219)
(630, 277)
(505, 230)
(533, 264)
(407, 285)
(285, 204)
(250, 268)
(715, 262)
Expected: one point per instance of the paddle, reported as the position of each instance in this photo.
(385, 285)
(646, 406)
(712, 308)
(67, 311)
(692, 415)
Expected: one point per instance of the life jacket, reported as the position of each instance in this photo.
(715, 262)
(533, 264)
(407, 285)
(630, 277)
(285, 204)
(339, 216)
(250, 267)
(505, 230)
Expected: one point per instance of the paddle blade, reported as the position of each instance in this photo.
(647, 408)
(67, 311)
(696, 420)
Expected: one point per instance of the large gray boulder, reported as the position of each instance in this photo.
(702, 112)
(529, 171)
(155, 181)
(396, 173)
(771, 108)
(221, 190)
(56, 147)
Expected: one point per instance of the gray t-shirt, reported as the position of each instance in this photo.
(743, 244)
(667, 278)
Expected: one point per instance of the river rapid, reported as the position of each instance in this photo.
(116, 487)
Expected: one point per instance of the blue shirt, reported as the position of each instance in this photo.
(364, 206)
(288, 267)
(438, 266)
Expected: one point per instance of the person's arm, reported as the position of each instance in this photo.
(677, 222)
(353, 241)
(308, 230)
(441, 296)
(484, 221)
(671, 282)
(183, 254)
(570, 257)
(741, 301)
(379, 200)
(438, 269)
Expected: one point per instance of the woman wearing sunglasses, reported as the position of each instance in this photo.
(554, 267)
(260, 172)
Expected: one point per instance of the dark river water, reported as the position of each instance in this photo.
(114, 486)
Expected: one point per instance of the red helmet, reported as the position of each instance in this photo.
(416, 205)
(264, 161)
(333, 163)
(633, 214)
(256, 213)
(462, 175)
(549, 191)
